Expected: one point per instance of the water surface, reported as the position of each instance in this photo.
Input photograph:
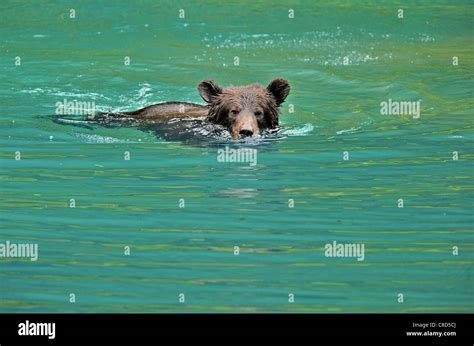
(333, 108)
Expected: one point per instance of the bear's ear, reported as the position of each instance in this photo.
(208, 89)
(280, 89)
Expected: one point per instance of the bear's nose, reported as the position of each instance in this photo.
(246, 133)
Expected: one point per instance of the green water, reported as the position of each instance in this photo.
(190, 250)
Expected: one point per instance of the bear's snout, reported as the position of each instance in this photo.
(245, 133)
(245, 125)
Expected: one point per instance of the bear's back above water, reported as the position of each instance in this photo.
(245, 111)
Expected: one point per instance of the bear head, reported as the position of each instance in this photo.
(246, 111)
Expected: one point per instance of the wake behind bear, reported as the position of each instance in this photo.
(244, 111)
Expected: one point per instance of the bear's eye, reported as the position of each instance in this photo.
(234, 112)
(258, 113)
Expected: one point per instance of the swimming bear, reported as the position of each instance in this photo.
(244, 111)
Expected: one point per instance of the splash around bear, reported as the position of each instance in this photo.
(245, 111)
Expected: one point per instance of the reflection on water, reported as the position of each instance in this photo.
(237, 193)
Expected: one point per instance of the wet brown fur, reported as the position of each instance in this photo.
(245, 110)
(238, 108)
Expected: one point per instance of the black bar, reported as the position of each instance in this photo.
(315, 329)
